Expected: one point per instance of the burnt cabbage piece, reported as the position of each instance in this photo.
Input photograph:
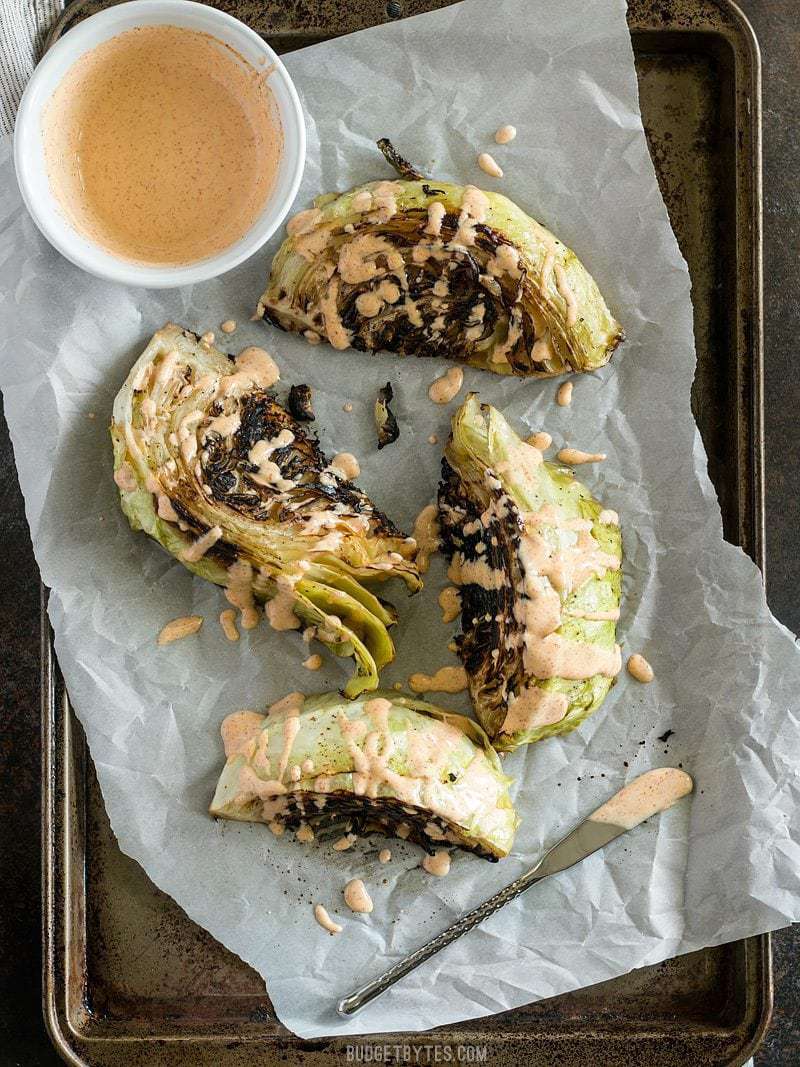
(211, 466)
(385, 420)
(537, 560)
(300, 403)
(384, 762)
(434, 269)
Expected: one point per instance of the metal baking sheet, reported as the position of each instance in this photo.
(129, 979)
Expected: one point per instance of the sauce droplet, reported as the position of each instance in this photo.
(177, 629)
(445, 387)
(258, 365)
(325, 921)
(541, 440)
(437, 864)
(450, 603)
(640, 669)
(347, 465)
(445, 680)
(505, 134)
(574, 456)
(489, 165)
(356, 897)
(227, 620)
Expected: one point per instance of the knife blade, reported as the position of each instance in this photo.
(645, 796)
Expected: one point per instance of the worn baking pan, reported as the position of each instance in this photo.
(129, 979)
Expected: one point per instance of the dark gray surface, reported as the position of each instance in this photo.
(23, 1040)
(777, 26)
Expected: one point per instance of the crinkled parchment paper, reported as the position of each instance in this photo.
(727, 675)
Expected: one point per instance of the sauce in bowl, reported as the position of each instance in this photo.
(162, 145)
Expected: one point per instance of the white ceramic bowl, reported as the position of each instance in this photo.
(29, 149)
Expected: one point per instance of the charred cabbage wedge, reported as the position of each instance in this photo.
(537, 560)
(387, 762)
(211, 466)
(433, 269)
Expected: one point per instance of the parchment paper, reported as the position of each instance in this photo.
(722, 867)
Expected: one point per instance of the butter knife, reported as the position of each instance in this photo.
(647, 795)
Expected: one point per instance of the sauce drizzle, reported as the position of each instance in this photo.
(426, 535)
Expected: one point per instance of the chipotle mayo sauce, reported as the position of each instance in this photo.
(162, 145)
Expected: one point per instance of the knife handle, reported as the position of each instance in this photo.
(366, 993)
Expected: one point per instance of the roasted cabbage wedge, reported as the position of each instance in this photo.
(211, 466)
(537, 560)
(429, 268)
(384, 762)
